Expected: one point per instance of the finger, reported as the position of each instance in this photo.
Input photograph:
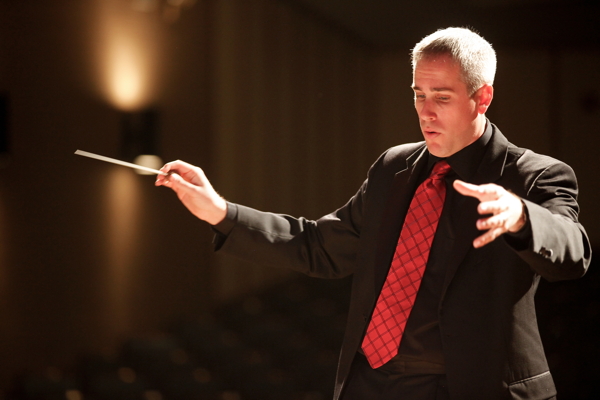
(487, 237)
(169, 180)
(194, 175)
(466, 189)
(481, 192)
(496, 221)
(178, 166)
(175, 181)
(185, 170)
(168, 169)
(188, 172)
(164, 180)
(492, 207)
(161, 179)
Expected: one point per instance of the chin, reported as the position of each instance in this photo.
(436, 150)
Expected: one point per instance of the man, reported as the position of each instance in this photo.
(498, 218)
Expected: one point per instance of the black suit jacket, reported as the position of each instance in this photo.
(491, 345)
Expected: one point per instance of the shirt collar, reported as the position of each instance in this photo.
(466, 161)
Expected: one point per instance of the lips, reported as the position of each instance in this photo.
(429, 133)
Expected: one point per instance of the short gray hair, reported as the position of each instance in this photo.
(473, 54)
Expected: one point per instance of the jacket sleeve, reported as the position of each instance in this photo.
(559, 247)
(323, 248)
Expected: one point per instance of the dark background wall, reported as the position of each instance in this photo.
(254, 92)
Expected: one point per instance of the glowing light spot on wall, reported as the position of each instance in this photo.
(127, 55)
(123, 197)
(150, 161)
(126, 75)
(122, 201)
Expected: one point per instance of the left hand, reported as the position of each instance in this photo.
(508, 214)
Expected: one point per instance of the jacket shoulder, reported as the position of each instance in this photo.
(531, 161)
(398, 155)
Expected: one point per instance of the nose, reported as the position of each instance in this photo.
(426, 110)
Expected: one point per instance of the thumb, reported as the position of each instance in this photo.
(178, 184)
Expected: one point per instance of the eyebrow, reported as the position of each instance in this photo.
(440, 89)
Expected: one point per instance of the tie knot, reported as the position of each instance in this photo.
(440, 169)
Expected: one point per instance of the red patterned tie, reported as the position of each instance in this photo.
(400, 289)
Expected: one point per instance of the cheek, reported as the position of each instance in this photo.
(471, 108)
(418, 106)
(463, 115)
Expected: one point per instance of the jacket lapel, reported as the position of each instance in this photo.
(404, 183)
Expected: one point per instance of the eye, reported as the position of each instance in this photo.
(443, 98)
(419, 96)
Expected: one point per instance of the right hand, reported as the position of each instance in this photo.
(194, 190)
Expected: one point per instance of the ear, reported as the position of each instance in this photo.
(484, 97)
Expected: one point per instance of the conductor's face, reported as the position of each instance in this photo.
(450, 119)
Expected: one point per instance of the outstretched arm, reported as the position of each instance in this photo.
(194, 190)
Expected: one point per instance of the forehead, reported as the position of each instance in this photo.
(437, 72)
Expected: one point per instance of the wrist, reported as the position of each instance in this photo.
(521, 221)
(219, 211)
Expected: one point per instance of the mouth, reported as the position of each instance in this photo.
(430, 134)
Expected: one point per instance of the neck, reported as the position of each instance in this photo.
(480, 125)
